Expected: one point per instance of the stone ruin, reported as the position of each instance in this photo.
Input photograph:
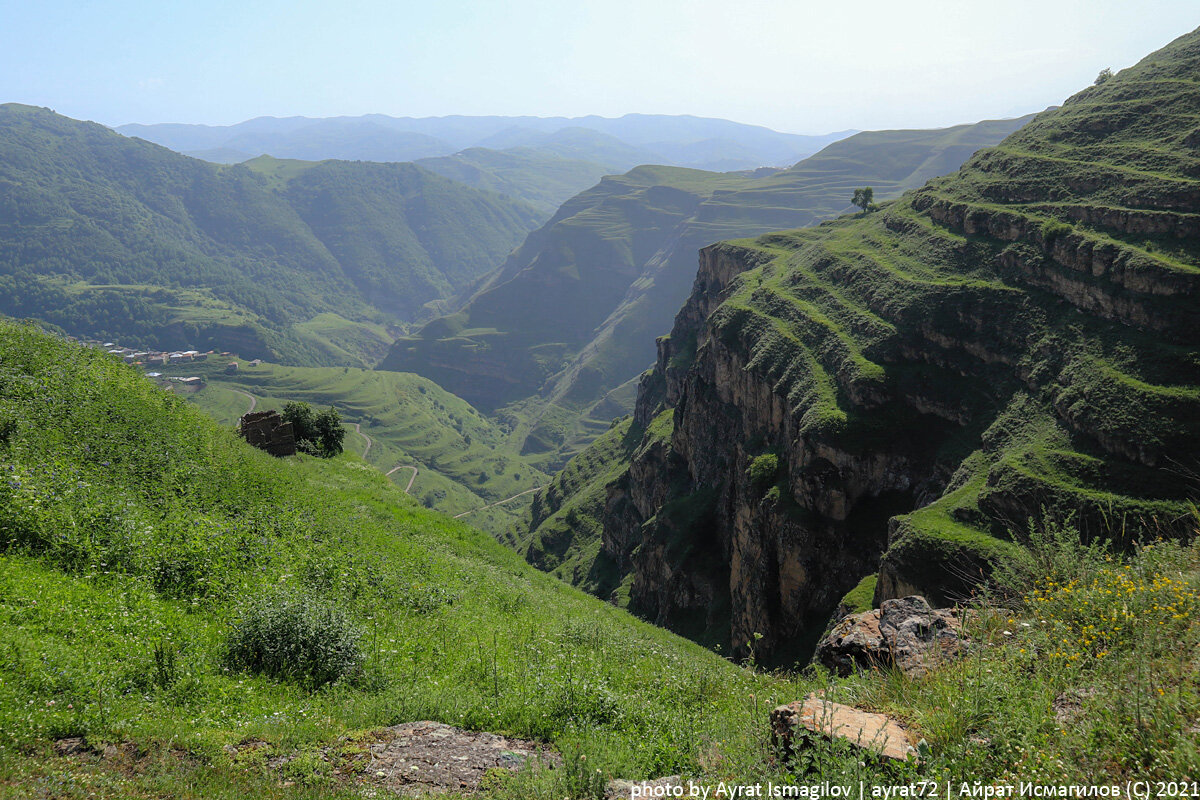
(266, 430)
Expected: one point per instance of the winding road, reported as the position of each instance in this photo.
(367, 449)
(253, 400)
(498, 502)
(410, 480)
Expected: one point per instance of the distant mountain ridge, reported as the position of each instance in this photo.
(616, 143)
(103, 235)
(572, 315)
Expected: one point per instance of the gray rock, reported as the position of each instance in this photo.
(906, 634)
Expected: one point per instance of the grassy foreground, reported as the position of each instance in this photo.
(134, 533)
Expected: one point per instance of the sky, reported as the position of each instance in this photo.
(792, 65)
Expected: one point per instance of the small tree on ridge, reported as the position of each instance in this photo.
(863, 198)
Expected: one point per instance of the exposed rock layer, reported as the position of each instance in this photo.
(904, 391)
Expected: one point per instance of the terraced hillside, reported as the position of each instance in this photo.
(102, 235)
(908, 391)
(569, 321)
(443, 452)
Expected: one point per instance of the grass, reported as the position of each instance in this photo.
(461, 456)
(132, 528)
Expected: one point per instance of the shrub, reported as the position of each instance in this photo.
(763, 470)
(1053, 229)
(1054, 551)
(295, 638)
(316, 434)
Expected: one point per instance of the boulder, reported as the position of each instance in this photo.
(906, 634)
(796, 724)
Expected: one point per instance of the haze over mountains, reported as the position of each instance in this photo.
(572, 315)
(108, 236)
(617, 144)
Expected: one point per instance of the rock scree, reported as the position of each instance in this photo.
(420, 758)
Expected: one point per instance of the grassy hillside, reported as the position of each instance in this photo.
(542, 179)
(136, 538)
(461, 460)
(1012, 343)
(107, 236)
(130, 523)
(573, 314)
(566, 517)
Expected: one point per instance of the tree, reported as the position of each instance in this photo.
(330, 432)
(863, 198)
(1104, 75)
(316, 434)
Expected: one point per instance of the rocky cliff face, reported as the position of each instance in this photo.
(904, 391)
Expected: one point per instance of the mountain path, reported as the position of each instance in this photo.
(410, 480)
(253, 400)
(498, 502)
(367, 449)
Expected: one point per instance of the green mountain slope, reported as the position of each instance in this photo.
(142, 548)
(907, 391)
(543, 180)
(107, 236)
(460, 458)
(134, 532)
(572, 315)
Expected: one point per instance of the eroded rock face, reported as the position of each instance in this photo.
(906, 634)
(1002, 345)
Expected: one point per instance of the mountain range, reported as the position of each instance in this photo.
(615, 143)
(565, 325)
(103, 235)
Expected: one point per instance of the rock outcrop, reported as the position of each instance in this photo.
(904, 391)
(267, 430)
(905, 634)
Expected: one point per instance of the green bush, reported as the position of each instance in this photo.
(763, 470)
(1053, 229)
(316, 434)
(294, 638)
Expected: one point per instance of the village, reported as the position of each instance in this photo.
(149, 360)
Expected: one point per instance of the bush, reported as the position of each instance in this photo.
(295, 638)
(763, 470)
(316, 434)
(1052, 229)
(1054, 551)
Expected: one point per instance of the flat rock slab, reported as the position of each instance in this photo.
(792, 724)
(419, 758)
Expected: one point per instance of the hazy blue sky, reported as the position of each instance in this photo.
(794, 65)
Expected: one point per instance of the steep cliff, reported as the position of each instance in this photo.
(905, 391)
